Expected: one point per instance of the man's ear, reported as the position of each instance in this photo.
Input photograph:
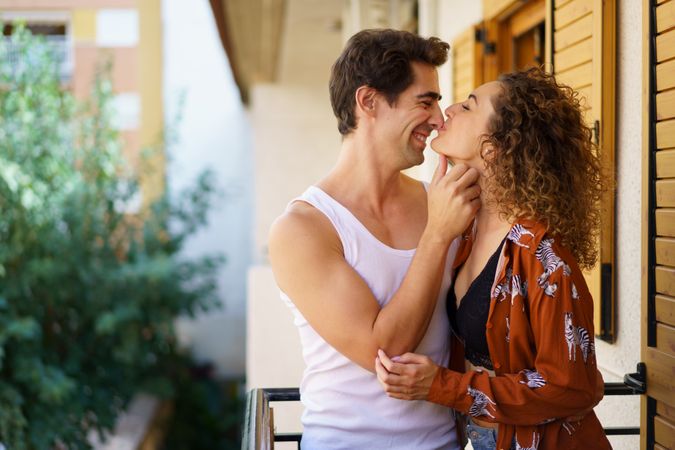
(366, 98)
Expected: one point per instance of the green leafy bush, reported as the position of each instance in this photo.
(88, 291)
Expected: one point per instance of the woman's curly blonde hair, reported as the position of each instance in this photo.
(545, 166)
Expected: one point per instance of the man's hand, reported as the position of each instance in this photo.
(453, 199)
(407, 378)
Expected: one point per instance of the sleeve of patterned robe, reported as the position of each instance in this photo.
(564, 379)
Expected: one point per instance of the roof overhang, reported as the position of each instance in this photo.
(250, 31)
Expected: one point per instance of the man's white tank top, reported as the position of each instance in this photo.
(345, 406)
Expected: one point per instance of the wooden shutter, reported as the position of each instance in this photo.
(658, 242)
(466, 64)
(583, 56)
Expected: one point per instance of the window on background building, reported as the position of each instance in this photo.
(56, 34)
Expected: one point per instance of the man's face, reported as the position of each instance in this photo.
(406, 125)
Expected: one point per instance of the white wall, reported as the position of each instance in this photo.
(213, 133)
(622, 356)
(296, 142)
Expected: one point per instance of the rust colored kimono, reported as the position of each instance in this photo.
(540, 336)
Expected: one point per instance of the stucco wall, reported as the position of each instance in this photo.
(213, 133)
(622, 356)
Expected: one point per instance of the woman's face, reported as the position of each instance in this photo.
(460, 136)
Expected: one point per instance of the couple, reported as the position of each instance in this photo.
(477, 273)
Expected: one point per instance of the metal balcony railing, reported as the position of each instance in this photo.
(58, 46)
(259, 434)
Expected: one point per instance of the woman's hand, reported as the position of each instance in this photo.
(407, 377)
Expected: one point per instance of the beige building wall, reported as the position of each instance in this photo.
(127, 33)
(295, 143)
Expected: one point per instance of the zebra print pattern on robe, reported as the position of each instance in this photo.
(504, 288)
(516, 233)
(481, 403)
(577, 336)
(533, 446)
(534, 379)
(548, 258)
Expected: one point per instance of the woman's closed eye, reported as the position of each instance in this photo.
(465, 107)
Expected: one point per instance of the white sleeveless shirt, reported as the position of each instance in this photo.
(345, 406)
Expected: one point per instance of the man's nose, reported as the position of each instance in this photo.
(436, 119)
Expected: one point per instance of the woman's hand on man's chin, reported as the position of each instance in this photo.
(405, 377)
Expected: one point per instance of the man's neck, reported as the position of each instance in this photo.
(365, 172)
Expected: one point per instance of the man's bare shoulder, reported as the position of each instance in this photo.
(302, 225)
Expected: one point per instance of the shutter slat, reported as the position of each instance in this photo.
(665, 134)
(665, 105)
(585, 96)
(665, 193)
(665, 75)
(665, 16)
(660, 379)
(665, 222)
(665, 280)
(577, 77)
(464, 63)
(665, 338)
(573, 56)
(462, 53)
(665, 164)
(665, 309)
(666, 410)
(665, 46)
(665, 251)
(571, 12)
(664, 432)
(576, 32)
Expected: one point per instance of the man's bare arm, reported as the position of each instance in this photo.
(309, 266)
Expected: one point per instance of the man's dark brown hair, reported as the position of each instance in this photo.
(379, 59)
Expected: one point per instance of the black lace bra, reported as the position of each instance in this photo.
(468, 321)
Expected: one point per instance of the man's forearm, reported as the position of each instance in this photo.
(402, 323)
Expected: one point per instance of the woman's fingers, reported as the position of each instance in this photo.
(391, 366)
(440, 169)
(387, 378)
(412, 358)
(406, 379)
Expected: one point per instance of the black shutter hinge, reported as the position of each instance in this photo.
(489, 48)
(596, 132)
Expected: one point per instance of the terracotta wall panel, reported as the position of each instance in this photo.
(24, 5)
(131, 151)
(124, 72)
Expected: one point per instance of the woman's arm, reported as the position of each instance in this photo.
(564, 381)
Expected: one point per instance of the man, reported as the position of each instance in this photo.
(363, 257)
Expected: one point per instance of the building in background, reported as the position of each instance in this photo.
(126, 32)
(168, 68)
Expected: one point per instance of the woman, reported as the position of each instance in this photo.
(520, 309)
